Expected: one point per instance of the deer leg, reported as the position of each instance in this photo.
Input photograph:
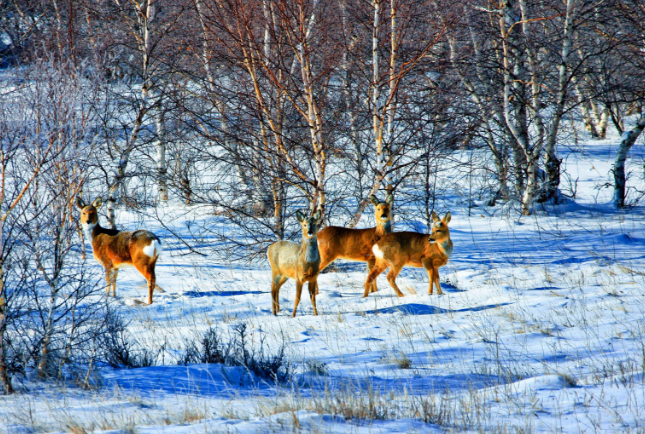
(371, 278)
(298, 294)
(370, 265)
(275, 292)
(152, 282)
(437, 281)
(148, 271)
(430, 272)
(108, 281)
(433, 276)
(427, 264)
(313, 288)
(391, 277)
(278, 284)
(115, 274)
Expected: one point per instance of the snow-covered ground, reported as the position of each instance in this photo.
(541, 328)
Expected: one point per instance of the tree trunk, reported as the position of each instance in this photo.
(552, 162)
(600, 117)
(5, 379)
(377, 118)
(43, 363)
(161, 155)
(278, 214)
(123, 164)
(531, 187)
(628, 139)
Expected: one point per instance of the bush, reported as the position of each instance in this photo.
(262, 362)
(121, 349)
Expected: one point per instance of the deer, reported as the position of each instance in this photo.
(296, 261)
(398, 249)
(116, 249)
(337, 242)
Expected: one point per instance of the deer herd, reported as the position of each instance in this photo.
(379, 247)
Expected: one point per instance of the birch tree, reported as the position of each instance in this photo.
(388, 76)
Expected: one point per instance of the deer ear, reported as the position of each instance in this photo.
(300, 216)
(374, 200)
(389, 199)
(317, 216)
(97, 203)
(435, 217)
(79, 202)
(447, 217)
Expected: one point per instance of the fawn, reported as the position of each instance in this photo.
(297, 261)
(398, 249)
(116, 249)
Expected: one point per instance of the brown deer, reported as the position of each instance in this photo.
(398, 249)
(336, 242)
(116, 249)
(297, 261)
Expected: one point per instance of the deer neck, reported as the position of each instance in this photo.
(383, 228)
(310, 249)
(91, 230)
(446, 247)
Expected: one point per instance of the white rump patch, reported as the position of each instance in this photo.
(153, 250)
(377, 252)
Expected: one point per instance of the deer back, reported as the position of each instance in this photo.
(403, 246)
(356, 244)
(353, 244)
(110, 248)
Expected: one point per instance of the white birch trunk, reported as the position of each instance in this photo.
(377, 120)
(391, 109)
(627, 141)
(161, 156)
(552, 163)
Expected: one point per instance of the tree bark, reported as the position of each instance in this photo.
(5, 379)
(628, 140)
(161, 155)
(552, 162)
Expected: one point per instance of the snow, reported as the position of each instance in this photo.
(540, 328)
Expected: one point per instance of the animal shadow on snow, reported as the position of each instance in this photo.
(449, 287)
(199, 294)
(424, 309)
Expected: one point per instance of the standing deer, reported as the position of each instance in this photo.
(297, 261)
(116, 249)
(356, 244)
(398, 249)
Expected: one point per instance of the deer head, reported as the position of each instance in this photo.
(440, 231)
(382, 210)
(310, 225)
(89, 213)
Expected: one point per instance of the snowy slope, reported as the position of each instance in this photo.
(540, 329)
